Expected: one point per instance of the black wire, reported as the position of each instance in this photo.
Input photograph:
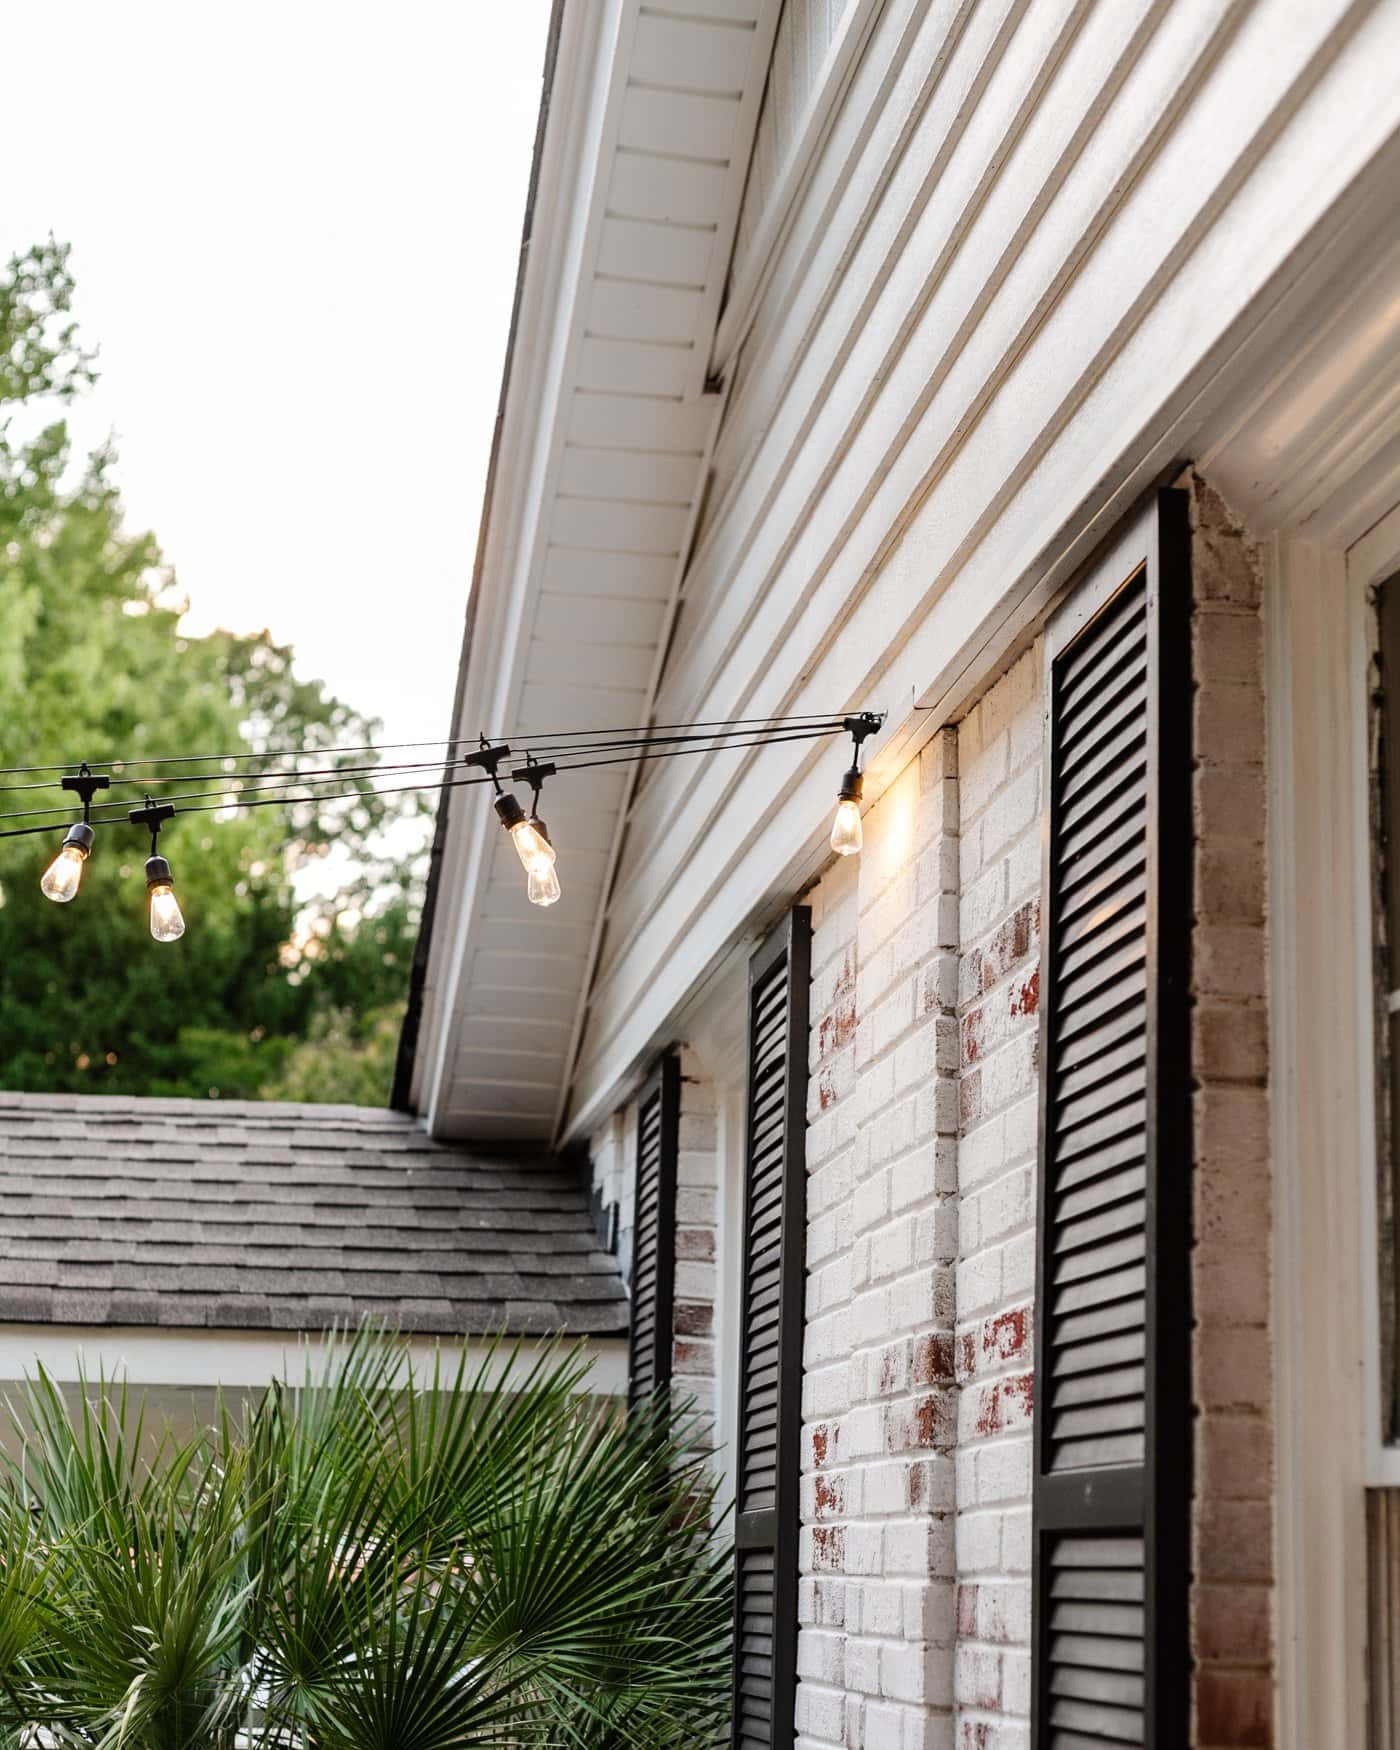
(457, 783)
(549, 751)
(626, 739)
(539, 737)
(239, 782)
(232, 783)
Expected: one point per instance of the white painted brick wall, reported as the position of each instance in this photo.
(876, 1604)
(613, 1167)
(999, 761)
(697, 1181)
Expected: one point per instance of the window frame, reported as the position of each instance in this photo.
(1370, 562)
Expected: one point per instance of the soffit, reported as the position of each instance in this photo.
(602, 455)
(1310, 441)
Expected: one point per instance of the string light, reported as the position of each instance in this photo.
(542, 887)
(846, 833)
(59, 881)
(167, 920)
(528, 832)
(572, 750)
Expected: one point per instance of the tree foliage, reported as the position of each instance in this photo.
(94, 665)
(376, 1561)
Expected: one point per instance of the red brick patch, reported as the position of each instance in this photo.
(829, 1548)
(1005, 1403)
(1007, 1336)
(831, 1496)
(694, 1319)
(933, 1361)
(935, 1421)
(1234, 1709)
(1025, 996)
(838, 1027)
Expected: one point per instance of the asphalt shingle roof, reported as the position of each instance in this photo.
(285, 1217)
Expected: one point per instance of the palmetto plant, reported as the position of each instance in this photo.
(375, 1560)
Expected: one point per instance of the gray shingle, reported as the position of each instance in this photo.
(185, 1213)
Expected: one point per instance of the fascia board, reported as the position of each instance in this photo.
(590, 82)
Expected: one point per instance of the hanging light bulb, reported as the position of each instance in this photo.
(167, 920)
(60, 880)
(543, 886)
(532, 845)
(846, 831)
(530, 835)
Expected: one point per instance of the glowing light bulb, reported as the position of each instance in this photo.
(845, 829)
(60, 880)
(543, 887)
(532, 847)
(167, 920)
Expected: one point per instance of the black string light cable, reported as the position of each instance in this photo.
(538, 739)
(233, 801)
(571, 751)
(234, 785)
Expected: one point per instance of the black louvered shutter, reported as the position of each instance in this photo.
(1113, 1413)
(770, 1376)
(654, 1231)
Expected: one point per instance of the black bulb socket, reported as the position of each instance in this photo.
(852, 784)
(509, 810)
(158, 873)
(81, 835)
(540, 827)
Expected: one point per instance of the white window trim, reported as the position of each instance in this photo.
(1322, 1106)
(1370, 561)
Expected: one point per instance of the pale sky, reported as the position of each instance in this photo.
(295, 229)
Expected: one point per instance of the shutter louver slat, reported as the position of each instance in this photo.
(1112, 1432)
(654, 1232)
(769, 1424)
(1097, 1642)
(1098, 1259)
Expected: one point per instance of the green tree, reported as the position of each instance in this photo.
(94, 665)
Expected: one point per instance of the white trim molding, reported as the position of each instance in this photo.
(193, 1359)
(1323, 1120)
(1369, 562)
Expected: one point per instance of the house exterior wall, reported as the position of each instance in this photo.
(915, 1602)
(612, 1157)
(1000, 756)
(693, 1357)
(1010, 288)
(1233, 1521)
(876, 1601)
(1027, 240)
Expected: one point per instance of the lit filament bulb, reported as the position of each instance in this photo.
(543, 886)
(845, 829)
(530, 836)
(167, 920)
(60, 880)
(532, 846)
